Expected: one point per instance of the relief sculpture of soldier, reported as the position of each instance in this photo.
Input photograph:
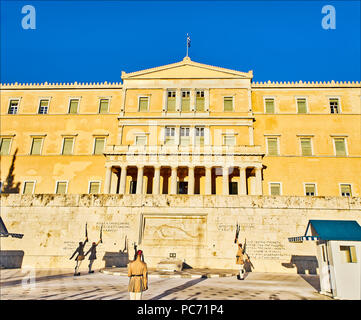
(138, 274)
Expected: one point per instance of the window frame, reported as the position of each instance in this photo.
(202, 92)
(300, 137)
(148, 102)
(175, 99)
(181, 99)
(233, 103)
(229, 135)
(306, 100)
(274, 104)
(42, 137)
(274, 182)
(195, 136)
(334, 145)
(173, 128)
(329, 98)
(345, 183)
(277, 137)
(97, 181)
(17, 108)
(99, 104)
(94, 143)
(189, 135)
(72, 147)
(66, 188)
(24, 182)
(48, 106)
(69, 103)
(141, 135)
(10, 144)
(304, 189)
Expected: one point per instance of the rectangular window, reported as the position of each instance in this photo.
(171, 101)
(233, 187)
(272, 144)
(199, 136)
(229, 140)
(301, 105)
(43, 107)
(94, 187)
(103, 105)
(306, 147)
(200, 101)
(340, 146)
(186, 101)
(169, 135)
(99, 144)
(143, 104)
(269, 105)
(67, 146)
(184, 136)
(348, 254)
(334, 105)
(36, 146)
(140, 140)
(13, 107)
(275, 188)
(61, 187)
(73, 106)
(310, 189)
(345, 190)
(228, 103)
(28, 187)
(5, 146)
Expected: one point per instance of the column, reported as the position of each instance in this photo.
(190, 180)
(178, 100)
(206, 100)
(114, 182)
(192, 100)
(123, 180)
(173, 178)
(251, 135)
(108, 178)
(242, 186)
(156, 182)
(225, 181)
(165, 96)
(208, 186)
(140, 180)
(258, 181)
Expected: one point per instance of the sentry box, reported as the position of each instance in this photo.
(338, 254)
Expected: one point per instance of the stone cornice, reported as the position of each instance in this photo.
(306, 84)
(62, 85)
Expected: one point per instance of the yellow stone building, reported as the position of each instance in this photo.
(182, 128)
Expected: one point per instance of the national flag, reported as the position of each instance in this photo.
(188, 41)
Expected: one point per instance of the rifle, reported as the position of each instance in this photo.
(101, 234)
(237, 233)
(86, 230)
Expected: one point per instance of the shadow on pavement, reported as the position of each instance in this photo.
(313, 280)
(179, 288)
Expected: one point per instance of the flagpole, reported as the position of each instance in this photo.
(187, 44)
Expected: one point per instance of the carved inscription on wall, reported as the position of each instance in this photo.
(112, 226)
(266, 250)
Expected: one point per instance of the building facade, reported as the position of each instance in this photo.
(183, 128)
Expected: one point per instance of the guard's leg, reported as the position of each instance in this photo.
(241, 272)
(90, 266)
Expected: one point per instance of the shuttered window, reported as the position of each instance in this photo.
(28, 187)
(272, 146)
(310, 189)
(186, 101)
(270, 105)
(301, 106)
(229, 140)
(5, 146)
(171, 101)
(36, 146)
(94, 187)
(199, 136)
(143, 104)
(103, 107)
(346, 190)
(169, 135)
(61, 187)
(184, 136)
(200, 101)
(73, 106)
(306, 147)
(99, 145)
(68, 146)
(228, 103)
(140, 140)
(340, 146)
(334, 108)
(275, 189)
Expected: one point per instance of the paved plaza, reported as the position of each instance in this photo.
(192, 285)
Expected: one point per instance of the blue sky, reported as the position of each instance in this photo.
(96, 40)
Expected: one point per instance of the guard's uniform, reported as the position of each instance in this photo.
(138, 282)
(240, 257)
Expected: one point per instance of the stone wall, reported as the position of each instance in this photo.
(199, 230)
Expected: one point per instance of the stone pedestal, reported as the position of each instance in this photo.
(170, 265)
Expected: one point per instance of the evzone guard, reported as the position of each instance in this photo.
(93, 252)
(241, 255)
(80, 251)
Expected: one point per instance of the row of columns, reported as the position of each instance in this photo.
(242, 187)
